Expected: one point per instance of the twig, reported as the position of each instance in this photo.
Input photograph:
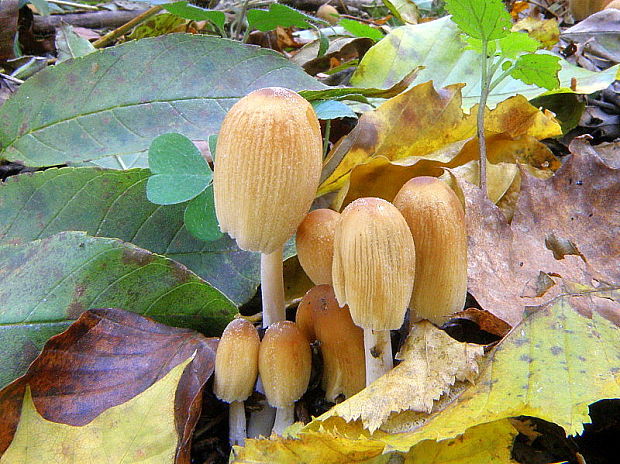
(91, 20)
(11, 78)
(110, 36)
(74, 5)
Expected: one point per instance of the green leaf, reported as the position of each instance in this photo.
(194, 13)
(180, 173)
(540, 70)
(405, 11)
(111, 203)
(116, 101)
(46, 284)
(212, 145)
(42, 6)
(277, 15)
(361, 30)
(437, 45)
(200, 219)
(70, 45)
(331, 109)
(516, 43)
(164, 23)
(481, 19)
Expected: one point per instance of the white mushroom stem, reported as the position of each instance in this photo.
(236, 423)
(284, 417)
(272, 287)
(378, 352)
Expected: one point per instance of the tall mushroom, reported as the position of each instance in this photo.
(284, 364)
(236, 368)
(437, 222)
(373, 272)
(315, 244)
(267, 169)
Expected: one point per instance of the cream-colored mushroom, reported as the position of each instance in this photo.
(315, 244)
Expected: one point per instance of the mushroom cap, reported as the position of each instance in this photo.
(236, 361)
(374, 263)
(581, 9)
(284, 364)
(437, 222)
(315, 244)
(267, 168)
(304, 317)
(342, 344)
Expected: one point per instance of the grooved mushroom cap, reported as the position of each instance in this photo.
(437, 222)
(315, 244)
(284, 363)
(236, 361)
(374, 263)
(267, 168)
(342, 344)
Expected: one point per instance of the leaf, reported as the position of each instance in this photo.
(431, 362)
(486, 20)
(163, 23)
(546, 31)
(194, 13)
(550, 241)
(70, 45)
(517, 42)
(404, 10)
(200, 219)
(113, 388)
(360, 29)
(540, 70)
(278, 15)
(74, 272)
(116, 101)
(437, 46)
(114, 204)
(344, 49)
(331, 109)
(180, 173)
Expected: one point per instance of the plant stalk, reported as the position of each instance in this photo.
(236, 423)
(272, 287)
(484, 93)
(378, 354)
(110, 36)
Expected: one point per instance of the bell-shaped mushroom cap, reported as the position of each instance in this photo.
(315, 244)
(284, 364)
(437, 222)
(267, 168)
(236, 361)
(374, 263)
(342, 344)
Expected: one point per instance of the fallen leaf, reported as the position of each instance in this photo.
(485, 320)
(112, 388)
(550, 241)
(546, 31)
(431, 362)
(343, 48)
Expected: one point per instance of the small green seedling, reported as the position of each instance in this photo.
(486, 25)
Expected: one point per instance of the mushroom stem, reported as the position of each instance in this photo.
(261, 421)
(378, 350)
(272, 287)
(236, 423)
(284, 417)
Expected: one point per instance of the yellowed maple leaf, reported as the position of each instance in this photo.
(141, 430)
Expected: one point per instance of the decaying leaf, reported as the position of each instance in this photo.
(431, 362)
(111, 367)
(550, 241)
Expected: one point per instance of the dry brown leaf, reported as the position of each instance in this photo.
(432, 362)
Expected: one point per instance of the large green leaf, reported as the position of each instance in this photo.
(115, 101)
(48, 283)
(112, 203)
(437, 46)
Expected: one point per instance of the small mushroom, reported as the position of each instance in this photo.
(267, 169)
(373, 272)
(437, 222)
(328, 13)
(315, 244)
(304, 316)
(284, 364)
(236, 368)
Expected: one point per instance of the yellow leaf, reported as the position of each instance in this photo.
(546, 31)
(141, 430)
(431, 362)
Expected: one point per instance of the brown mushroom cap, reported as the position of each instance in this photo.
(315, 244)
(437, 222)
(581, 9)
(342, 344)
(374, 263)
(236, 361)
(267, 168)
(304, 316)
(284, 363)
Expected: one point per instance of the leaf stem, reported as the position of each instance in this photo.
(328, 128)
(110, 36)
(484, 93)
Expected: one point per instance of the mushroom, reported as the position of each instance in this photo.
(328, 13)
(373, 272)
(437, 222)
(304, 316)
(267, 169)
(284, 364)
(315, 244)
(236, 368)
(581, 9)
(341, 342)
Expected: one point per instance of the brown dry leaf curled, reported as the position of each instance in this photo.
(431, 362)
(104, 359)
